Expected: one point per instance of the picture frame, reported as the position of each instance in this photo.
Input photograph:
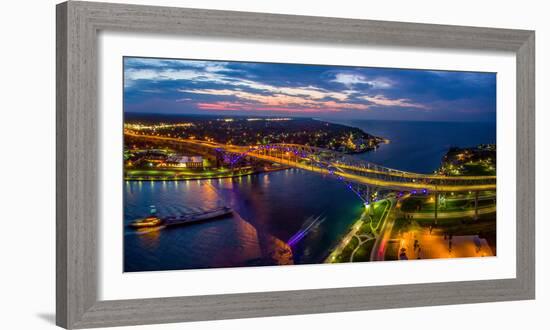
(77, 189)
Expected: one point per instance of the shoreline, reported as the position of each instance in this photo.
(377, 141)
(344, 241)
(223, 176)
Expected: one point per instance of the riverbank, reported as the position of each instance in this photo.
(248, 131)
(278, 204)
(478, 160)
(344, 242)
(156, 175)
(357, 244)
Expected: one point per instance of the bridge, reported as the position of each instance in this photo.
(344, 167)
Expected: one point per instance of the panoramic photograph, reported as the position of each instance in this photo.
(246, 164)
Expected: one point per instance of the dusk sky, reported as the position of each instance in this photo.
(263, 89)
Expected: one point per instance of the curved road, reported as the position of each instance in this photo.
(379, 248)
(451, 215)
(388, 180)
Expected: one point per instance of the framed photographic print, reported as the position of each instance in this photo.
(215, 165)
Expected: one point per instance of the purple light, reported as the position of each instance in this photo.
(294, 239)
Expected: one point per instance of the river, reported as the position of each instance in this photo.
(288, 216)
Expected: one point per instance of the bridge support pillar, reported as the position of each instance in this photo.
(475, 205)
(436, 206)
(371, 191)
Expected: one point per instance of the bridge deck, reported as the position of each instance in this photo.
(367, 174)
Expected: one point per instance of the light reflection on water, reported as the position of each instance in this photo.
(269, 209)
(419, 146)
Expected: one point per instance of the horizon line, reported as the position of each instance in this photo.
(301, 117)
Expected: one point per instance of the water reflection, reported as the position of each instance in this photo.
(149, 237)
(269, 209)
(277, 207)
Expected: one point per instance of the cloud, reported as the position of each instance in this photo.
(209, 66)
(149, 62)
(280, 100)
(234, 106)
(308, 91)
(220, 106)
(214, 74)
(169, 74)
(349, 79)
(155, 75)
(381, 100)
(230, 86)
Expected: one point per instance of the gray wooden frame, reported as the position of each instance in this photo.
(78, 24)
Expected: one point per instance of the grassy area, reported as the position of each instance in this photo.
(466, 225)
(363, 253)
(374, 214)
(477, 169)
(403, 225)
(380, 207)
(183, 174)
(378, 212)
(427, 204)
(465, 220)
(345, 253)
(365, 227)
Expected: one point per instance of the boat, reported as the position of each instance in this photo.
(150, 221)
(154, 221)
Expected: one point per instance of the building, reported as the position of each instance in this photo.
(185, 161)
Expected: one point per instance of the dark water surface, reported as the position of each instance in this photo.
(270, 209)
(307, 210)
(419, 146)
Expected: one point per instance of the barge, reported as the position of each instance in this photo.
(184, 219)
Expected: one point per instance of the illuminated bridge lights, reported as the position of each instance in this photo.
(352, 170)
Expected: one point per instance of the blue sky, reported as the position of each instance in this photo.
(242, 88)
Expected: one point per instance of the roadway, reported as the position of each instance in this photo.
(384, 179)
(452, 214)
(404, 174)
(379, 248)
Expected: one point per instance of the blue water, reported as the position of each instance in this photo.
(419, 146)
(271, 209)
